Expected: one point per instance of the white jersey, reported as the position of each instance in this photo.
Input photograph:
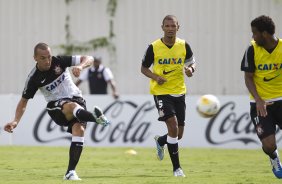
(56, 83)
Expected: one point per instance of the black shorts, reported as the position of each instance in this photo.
(266, 126)
(54, 109)
(169, 106)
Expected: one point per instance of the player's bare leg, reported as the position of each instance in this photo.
(270, 148)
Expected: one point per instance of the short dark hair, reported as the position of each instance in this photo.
(42, 46)
(170, 17)
(264, 23)
(98, 59)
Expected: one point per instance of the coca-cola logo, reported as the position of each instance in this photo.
(130, 125)
(228, 126)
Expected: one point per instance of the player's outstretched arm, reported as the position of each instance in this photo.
(85, 61)
(18, 115)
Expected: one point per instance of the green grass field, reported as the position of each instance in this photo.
(27, 165)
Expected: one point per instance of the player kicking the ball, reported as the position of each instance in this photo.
(65, 104)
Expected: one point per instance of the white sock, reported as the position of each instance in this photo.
(172, 140)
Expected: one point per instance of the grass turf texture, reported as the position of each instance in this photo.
(27, 165)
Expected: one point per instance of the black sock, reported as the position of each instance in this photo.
(74, 155)
(174, 156)
(272, 154)
(162, 140)
(83, 115)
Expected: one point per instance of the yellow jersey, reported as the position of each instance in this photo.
(268, 69)
(169, 63)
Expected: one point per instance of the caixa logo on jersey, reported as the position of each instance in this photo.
(231, 127)
(56, 83)
(129, 125)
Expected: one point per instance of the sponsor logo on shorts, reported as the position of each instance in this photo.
(259, 130)
(161, 113)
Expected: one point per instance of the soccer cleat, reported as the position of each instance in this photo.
(71, 176)
(276, 167)
(160, 149)
(100, 117)
(179, 173)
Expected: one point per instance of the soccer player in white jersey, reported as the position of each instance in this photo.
(65, 104)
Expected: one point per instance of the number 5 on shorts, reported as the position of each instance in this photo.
(160, 103)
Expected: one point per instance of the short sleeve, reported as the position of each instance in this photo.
(108, 75)
(248, 62)
(189, 59)
(148, 58)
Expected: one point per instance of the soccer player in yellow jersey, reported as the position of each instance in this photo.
(170, 58)
(262, 65)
